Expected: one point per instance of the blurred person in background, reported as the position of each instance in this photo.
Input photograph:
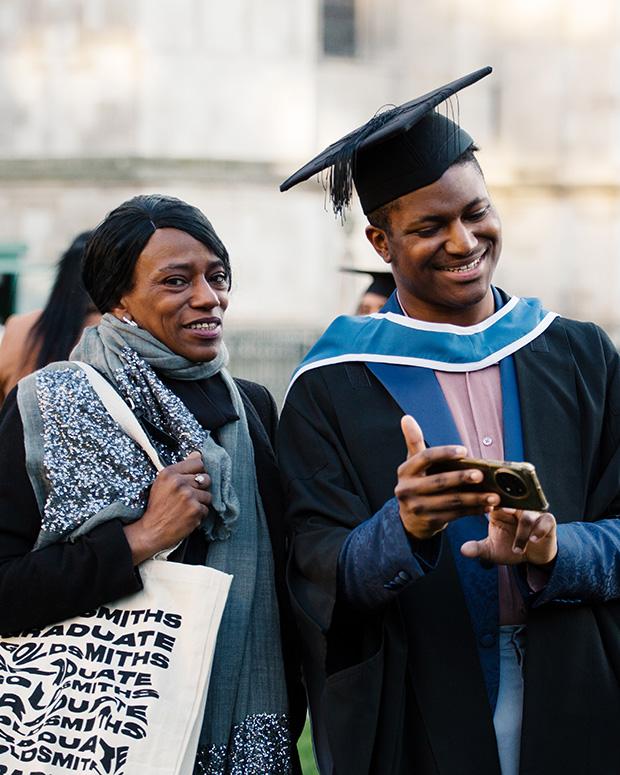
(377, 293)
(33, 339)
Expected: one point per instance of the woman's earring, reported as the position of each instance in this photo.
(129, 321)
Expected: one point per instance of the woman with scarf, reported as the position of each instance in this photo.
(81, 507)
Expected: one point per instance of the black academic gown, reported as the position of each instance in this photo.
(401, 690)
(65, 579)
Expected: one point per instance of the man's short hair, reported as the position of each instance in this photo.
(380, 218)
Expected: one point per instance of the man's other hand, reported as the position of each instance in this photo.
(516, 536)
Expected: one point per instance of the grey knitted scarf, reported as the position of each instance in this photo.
(85, 471)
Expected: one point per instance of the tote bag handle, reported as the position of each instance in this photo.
(122, 414)
(119, 411)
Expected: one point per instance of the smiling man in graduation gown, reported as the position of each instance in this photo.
(444, 634)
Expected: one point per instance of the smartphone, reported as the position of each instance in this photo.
(515, 483)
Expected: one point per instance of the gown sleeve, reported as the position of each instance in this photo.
(378, 560)
(587, 566)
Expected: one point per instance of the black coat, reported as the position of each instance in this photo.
(408, 689)
(65, 579)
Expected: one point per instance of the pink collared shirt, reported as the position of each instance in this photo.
(475, 401)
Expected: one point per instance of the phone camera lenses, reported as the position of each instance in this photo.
(511, 484)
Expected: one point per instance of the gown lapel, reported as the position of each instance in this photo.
(549, 409)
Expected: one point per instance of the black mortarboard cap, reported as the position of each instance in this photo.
(382, 282)
(397, 151)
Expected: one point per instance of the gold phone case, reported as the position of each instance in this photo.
(515, 483)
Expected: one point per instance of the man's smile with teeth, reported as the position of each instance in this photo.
(466, 268)
(208, 326)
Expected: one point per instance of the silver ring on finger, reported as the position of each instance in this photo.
(200, 478)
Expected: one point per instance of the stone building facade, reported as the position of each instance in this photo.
(218, 102)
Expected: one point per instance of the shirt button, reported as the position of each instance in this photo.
(487, 441)
(487, 640)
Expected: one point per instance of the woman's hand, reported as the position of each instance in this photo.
(175, 508)
(516, 536)
(428, 502)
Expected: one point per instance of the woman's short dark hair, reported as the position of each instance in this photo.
(113, 250)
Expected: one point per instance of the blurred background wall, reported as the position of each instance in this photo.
(218, 102)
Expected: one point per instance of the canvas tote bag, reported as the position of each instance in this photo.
(120, 690)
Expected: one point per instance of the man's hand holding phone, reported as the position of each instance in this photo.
(429, 501)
